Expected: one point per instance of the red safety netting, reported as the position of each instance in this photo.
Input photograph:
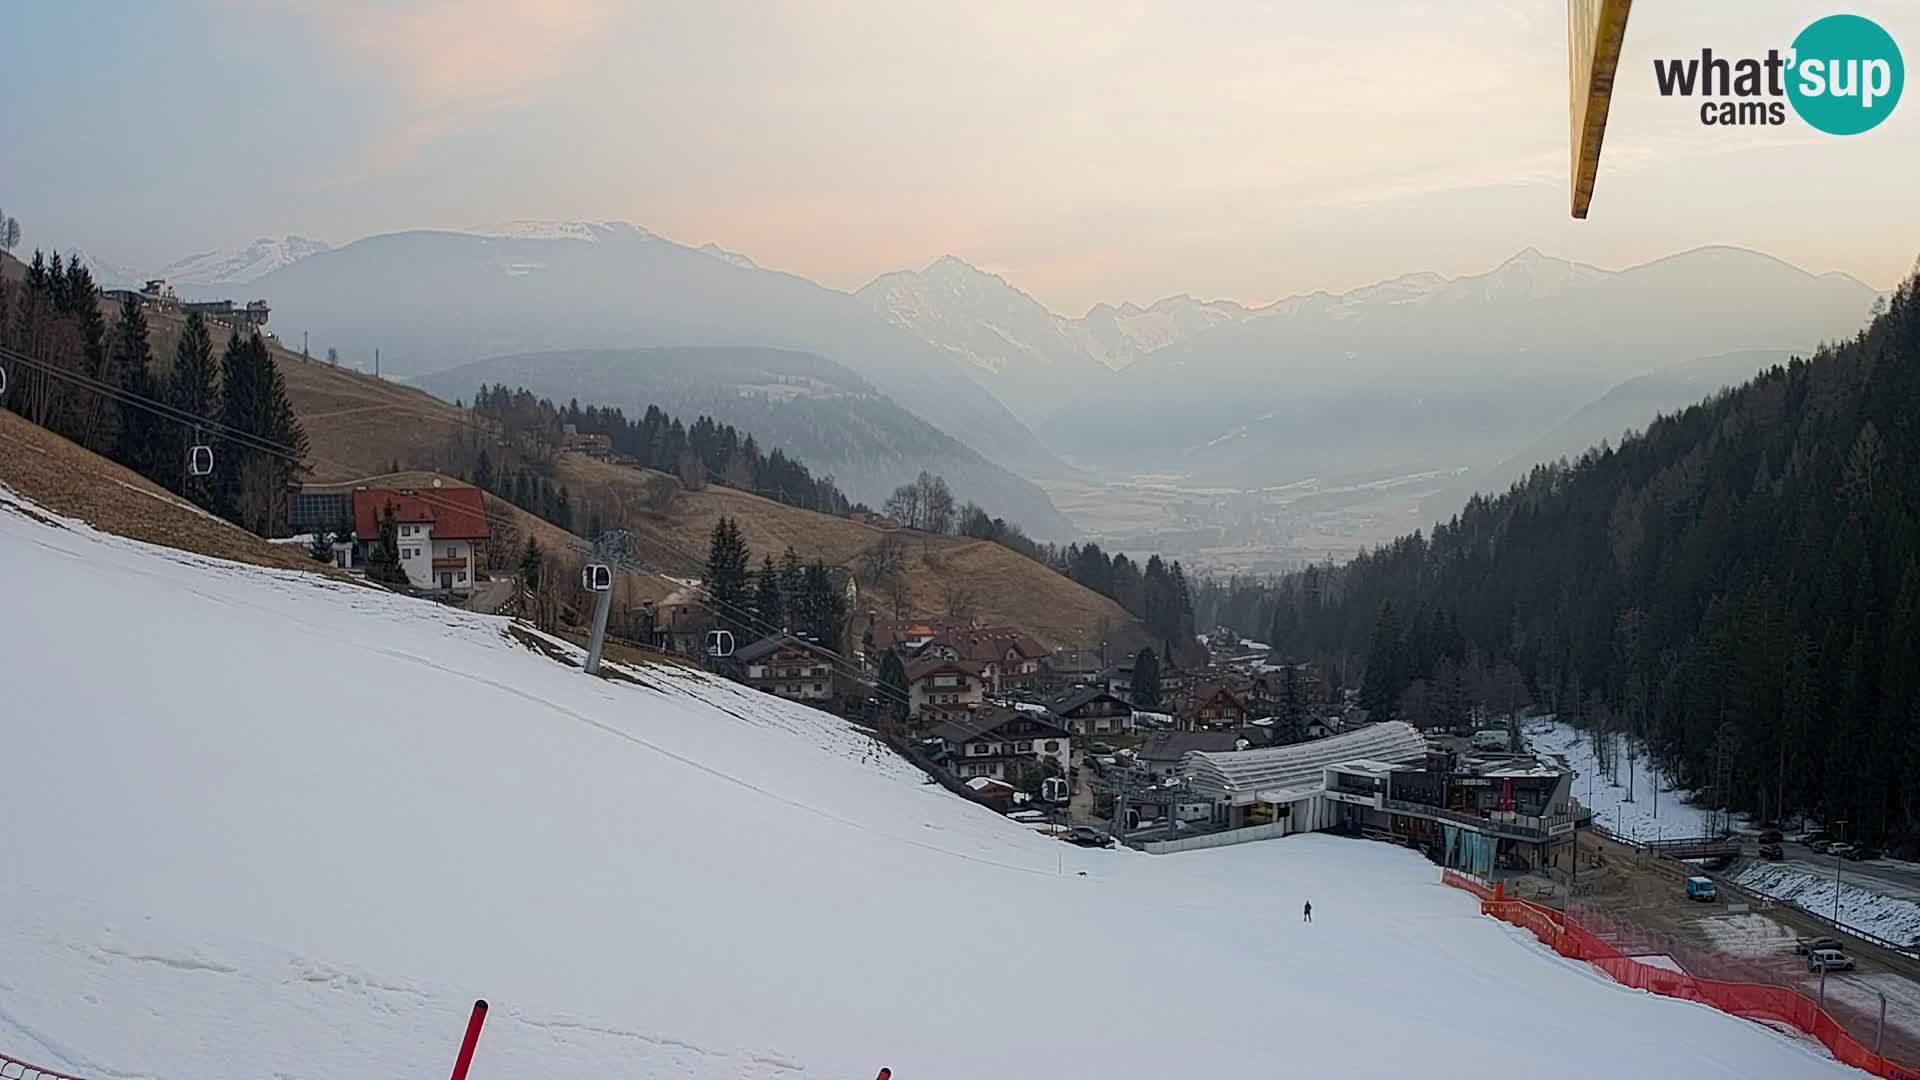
(15, 1069)
(1753, 1001)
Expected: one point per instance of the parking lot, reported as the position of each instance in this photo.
(1734, 939)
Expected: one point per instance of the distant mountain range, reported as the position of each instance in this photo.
(194, 274)
(1421, 370)
(836, 422)
(1032, 359)
(433, 300)
(1436, 372)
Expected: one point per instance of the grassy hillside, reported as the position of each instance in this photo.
(79, 483)
(359, 427)
(1003, 586)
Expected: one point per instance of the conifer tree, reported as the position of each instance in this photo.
(768, 605)
(1146, 679)
(893, 685)
(383, 555)
(193, 387)
(726, 580)
(140, 442)
(483, 471)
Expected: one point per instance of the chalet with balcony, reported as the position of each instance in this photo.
(1000, 743)
(788, 667)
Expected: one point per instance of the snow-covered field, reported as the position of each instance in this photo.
(258, 824)
(1887, 917)
(1640, 819)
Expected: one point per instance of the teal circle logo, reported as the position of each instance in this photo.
(1847, 75)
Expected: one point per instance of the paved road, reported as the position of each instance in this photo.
(1887, 877)
(490, 597)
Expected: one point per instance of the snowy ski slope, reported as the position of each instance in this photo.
(256, 824)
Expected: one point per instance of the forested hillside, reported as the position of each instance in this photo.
(1740, 585)
(811, 407)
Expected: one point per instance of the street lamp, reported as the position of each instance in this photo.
(1836, 875)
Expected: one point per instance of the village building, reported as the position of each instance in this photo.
(942, 686)
(1004, 744)
(1214, 707)
(1091, 710)
(439, 533)
(788, 667)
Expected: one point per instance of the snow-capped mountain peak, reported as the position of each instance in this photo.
(541, 229)
(238, 266)
(724, 255)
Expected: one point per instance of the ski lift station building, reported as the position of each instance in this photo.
(1288, 785)
(1387, 780)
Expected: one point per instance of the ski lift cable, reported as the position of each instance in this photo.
(745, 617)
(836, 659)
(252, 441)
(245, 439)
(159, 408)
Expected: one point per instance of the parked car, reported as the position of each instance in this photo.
(1820, 846)
(1701, 889)
(1829, 960)
(1863, 853)
(1810, 838)
(1100, 748)
(1772, 852)
(1806, 945)
(1088, 836)
(1843, 851)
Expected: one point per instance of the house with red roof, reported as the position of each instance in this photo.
(441, 532)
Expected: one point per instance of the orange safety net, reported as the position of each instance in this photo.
(1752, 1001)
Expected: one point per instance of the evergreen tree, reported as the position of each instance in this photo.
(193, 387)
(790, 581)
(383, 556)
(768, 604)
(1146, 680)
(251, 484)
(824, 609)
(141, 443)
(1386, 677)
(893, 685)
(728, 560)
(530, 560)
(483, 471)
(1293, 707)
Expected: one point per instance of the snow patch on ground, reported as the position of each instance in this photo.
(304, 824)
(1882, 916)
(1676, 815)
(1661, 961)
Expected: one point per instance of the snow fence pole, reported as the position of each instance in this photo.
(465, 1059)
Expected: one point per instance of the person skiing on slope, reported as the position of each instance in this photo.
(1306, 913)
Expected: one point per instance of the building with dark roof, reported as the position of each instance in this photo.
(1092, 710)
(1003, 743)
(788, 667)
(1214, 707)
(937, 685)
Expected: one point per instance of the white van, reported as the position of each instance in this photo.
(1490, 739)
(1829, 960)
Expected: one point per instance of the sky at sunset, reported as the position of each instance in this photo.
(1099, 151)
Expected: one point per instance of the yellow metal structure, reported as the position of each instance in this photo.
(1595, 31)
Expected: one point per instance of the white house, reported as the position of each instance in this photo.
(436, 532)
